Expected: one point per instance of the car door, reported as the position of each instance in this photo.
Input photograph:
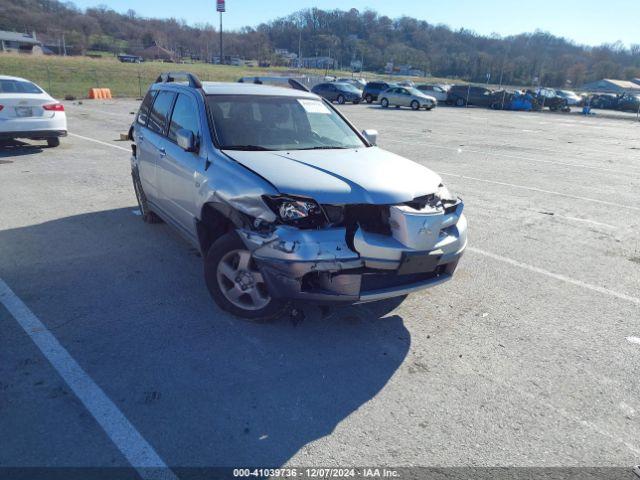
(403, 97)
(180, 172)
(151, 142)
(332, 92)
(321, 90)
(390, 95)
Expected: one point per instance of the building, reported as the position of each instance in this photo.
(17, 42)
(158, 53)
(608, 85)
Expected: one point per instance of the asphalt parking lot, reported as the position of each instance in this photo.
(529, 357)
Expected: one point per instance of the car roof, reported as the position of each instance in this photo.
(7, 77)
(220, 88)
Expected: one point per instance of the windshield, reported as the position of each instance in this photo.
(415, 91)
(18, 86)
(244, 122)
(347, 87)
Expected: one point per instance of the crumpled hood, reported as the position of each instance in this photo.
(364, 175)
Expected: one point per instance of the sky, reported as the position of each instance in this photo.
(586, 22)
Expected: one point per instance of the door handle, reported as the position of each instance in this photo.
(163, 152)
(140, 138)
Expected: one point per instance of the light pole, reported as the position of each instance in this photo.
(220, 7)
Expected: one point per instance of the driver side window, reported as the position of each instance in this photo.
(185, 116)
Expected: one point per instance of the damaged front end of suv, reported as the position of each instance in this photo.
(358, 253)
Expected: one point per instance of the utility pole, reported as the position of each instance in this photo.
(220, 7)
(300, 51)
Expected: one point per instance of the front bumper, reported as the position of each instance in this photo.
(33, 134)
(320, 266)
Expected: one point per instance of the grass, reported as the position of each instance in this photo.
(62, 76)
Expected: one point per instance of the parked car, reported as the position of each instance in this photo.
(436, 91)
(628, 102)
(373, 89)
(27, 111)
(286, 200)
(548, 98)
(130, 58)
(605, 101)
(406, 83)
(338, 92)
(407, 97)
(572, 98)
(462, 95)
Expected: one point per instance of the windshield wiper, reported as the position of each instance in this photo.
(324, 147)
(248, 148)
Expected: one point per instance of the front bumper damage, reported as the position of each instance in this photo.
(337, 265)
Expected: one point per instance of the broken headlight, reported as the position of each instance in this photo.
(445, 195)
(450, 201)
(297, 211)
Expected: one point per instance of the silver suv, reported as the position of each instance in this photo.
(286, 200)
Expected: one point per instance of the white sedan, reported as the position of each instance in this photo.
(27, 111)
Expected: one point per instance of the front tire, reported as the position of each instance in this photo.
(415, 105)
(53, 142)
(384, 103)
(235, 282)
(460, 102)
(368, 99)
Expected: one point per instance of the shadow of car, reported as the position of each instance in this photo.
(126, 299)
(15, 148)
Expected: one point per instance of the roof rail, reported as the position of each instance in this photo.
(276, 82)
(172, 77)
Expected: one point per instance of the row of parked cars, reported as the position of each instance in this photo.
(427, 96)
(403, 94)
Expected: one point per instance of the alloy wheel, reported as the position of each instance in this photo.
(241, 282)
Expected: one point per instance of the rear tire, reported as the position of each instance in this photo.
(368, 98)
(53, 142)
(143, 205)
(235, 282)
(384, 103)
(341, 100)
(460, 102)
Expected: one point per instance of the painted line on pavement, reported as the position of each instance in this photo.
(88, 139)
(540, 190)
(517, 157)
(556, 276)
(122, 433)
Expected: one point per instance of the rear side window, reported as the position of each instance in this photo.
(145, 108)
(18, 86)
(160, 112)
(185, 116)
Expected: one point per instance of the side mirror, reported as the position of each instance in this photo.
(186, 140)
(371, 136)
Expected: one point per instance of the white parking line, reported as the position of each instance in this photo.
(556, 276)
(517, 157)
(99, 142)
(122, 433)
(540, 190)
(635, 340)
